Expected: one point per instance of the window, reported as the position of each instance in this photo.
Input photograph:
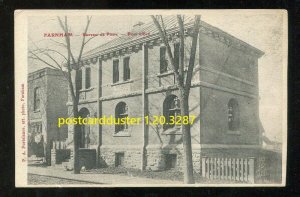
(171, 160)
(233, 115)
(36, 99)
(176, 54)
(87, 78)
(163, 60)
(79, 81)
(126, 73)
(121, 112)
(115, 71)
(119, 159)
(171, 109)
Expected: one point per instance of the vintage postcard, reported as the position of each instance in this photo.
(150, 98)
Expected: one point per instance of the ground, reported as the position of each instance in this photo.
(49, 175)
(45, 180)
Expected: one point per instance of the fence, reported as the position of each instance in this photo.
(224, 168)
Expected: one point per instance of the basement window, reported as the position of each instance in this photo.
(119, 159)
(171, 160)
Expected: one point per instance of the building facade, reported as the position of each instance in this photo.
(130, 76)
(47, 97)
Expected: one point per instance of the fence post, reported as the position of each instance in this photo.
(203, 166)
(230, 169)
(246, 169)
(226, 168)
(208, 167)
(251, 170)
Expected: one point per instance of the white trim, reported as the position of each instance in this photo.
(213, 86)
(86, 90)
(227, 75)
(230, 146)
(70, 103)
(35, 120)
(122, 146)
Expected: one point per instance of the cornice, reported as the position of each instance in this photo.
(134, 46)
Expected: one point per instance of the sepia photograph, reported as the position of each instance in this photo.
(150, 98)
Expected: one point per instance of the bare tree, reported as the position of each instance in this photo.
(70, 63)
(183, 83)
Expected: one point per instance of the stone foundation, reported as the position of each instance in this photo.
(132, 156)
(156, 157)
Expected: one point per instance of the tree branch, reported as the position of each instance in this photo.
(83, 39)
(181, 36)
(193, 53)
(169, 52)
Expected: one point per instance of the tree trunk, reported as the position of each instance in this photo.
(186, 138)
(75, 140)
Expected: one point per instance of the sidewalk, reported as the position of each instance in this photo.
(112, 179)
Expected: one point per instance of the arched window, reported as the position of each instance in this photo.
(121, 111)
(36, 99)
(233, 115)
(87, 78)
(171, 109)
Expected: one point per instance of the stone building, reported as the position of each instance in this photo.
(130, 76)
(47, 97)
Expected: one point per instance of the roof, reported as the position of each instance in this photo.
(43, 72)
(171, 25)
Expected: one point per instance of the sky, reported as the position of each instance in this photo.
(263, 30)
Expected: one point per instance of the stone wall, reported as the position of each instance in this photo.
(132, 156)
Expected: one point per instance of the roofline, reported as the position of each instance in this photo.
(42, 69)
(141, 40)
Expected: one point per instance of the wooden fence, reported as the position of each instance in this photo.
(228, 168)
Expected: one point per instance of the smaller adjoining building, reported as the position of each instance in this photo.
(47, 97)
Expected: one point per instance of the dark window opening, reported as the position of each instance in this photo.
(176, 54)
(121, 111)
(119, 159)
(79, 81)
(233, 115)
(88, 78)
(171, 110)
(163, 60)
(171, 160)
(115, 71)
(126, 69)
(36, 99)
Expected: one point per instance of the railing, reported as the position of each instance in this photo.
(228, 168)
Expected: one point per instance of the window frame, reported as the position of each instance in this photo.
(88, 77)
(121, 111)
(80, 79)
(168, 108)
(116, 70)
(126, 68)
(177, 54)
(163, 68)
(37, 97)
(233, 116)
